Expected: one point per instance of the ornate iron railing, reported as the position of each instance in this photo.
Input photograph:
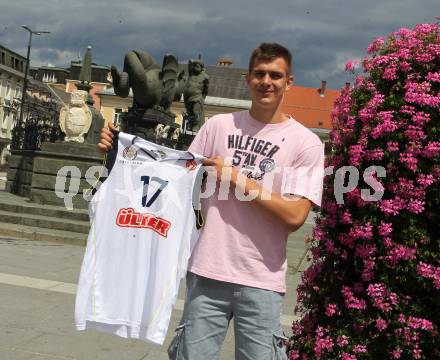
(40, 124)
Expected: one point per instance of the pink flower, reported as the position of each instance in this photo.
(381, 297)
(432, 149)
(420, 118)
(416, 206)
(415, 133)
(399, 253)
(402, 319)
(396, 353)
(408, 109)
(385, 228)
(381, 324)
(425, 180)
(331, 309)
(376, 45)
(350, 65)
(346, 217)
(359, 81)
(352, 302)
(386, 125)
(429, 272)
(390, 72)
(418, 323)
(359, 349)
(361, 231)
(434, 77)
(347, 356)
(392, 146)
(409, 161)
(419, 93)
(342, 341)
(356, 153)
(294, 355)
(365, 250)
(392, 206)
(322, 343)
(375, 154)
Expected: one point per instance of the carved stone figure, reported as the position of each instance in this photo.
(85, 75)
(152, 86)
(194, 93)
(93, 135)
(176, 133)
(76, 118)
(162, 131)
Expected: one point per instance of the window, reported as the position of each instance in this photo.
(3, 58)
(17, 90)
(8, 90)
(116, 116)
(5, 120)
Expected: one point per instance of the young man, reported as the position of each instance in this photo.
(273, 166)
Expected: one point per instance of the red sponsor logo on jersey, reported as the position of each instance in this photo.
(127, 217)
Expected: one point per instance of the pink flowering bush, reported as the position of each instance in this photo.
(372, 289)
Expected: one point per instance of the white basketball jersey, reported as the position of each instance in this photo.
(143, 228)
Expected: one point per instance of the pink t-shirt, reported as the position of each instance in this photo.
(240, 242)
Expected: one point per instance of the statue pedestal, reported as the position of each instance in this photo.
(144, 123)
(33, 174)
(184, 141)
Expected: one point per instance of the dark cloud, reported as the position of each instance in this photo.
(322, 35)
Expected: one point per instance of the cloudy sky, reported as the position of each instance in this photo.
(322, 35)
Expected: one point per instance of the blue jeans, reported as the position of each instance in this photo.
(209, 307)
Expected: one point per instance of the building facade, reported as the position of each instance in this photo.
(66, 79)
(12, 67)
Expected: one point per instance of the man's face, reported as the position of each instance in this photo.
(268, 81)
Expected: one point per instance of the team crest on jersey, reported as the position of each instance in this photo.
(129, 153)
(128, 217)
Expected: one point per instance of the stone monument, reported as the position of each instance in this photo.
(79, 118)
(98, 122)
(76, 117)
(154, 88)
(195, 91)
(68, 168)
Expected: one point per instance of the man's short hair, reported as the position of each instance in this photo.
(271, 51)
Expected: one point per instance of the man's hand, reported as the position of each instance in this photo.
(217, 164)
(292, 211)
(106, 141)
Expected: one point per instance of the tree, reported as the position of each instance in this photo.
(372, 290)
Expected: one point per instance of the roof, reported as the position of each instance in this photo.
(52, 68)
(209, 100)
(13, 52)
(38, 85)
(11, 71)
(110, 91)
(63, 96)
(308, 107)
(227, 82)
(93, 65)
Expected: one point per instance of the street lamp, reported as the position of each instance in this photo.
(31, 32)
